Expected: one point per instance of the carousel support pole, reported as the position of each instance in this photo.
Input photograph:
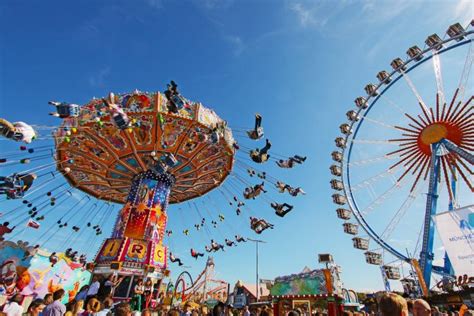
(426, 255)
(256, 241)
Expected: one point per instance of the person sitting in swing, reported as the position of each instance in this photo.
(238, 211)
(16, 185)
(53, 259)
(229, 243)
(208, 249)
(259, 224)
(296, 191)
(239, 238)
(282, 187)
(117, 115)
(196, 254)
(253, 192)
(290, 162)
(261, 155)
(65, 110)
(262, 175)
(174, 259)
(257, 132)
(4, 229)
(215, 246)
(175, 100)
(281, 209)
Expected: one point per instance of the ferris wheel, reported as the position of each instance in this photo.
(405, 153)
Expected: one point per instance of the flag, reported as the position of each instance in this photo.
(456, 231)
(31, 223)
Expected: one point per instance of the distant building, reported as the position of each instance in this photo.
(246, 294)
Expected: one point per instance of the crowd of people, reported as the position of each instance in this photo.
(387, 304)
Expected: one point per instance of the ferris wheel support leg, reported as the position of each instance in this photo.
(426, 255)
(455, 149)
(448, 268)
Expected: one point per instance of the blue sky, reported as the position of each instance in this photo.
(298, 63)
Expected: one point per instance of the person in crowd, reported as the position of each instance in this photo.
(93, 288)
(56, 308)
(107, 289)
(93, 306)
(421, 308)
(261, 155)
(13, 307)
(107, 310)
(267, 311)
(246, 311)
(48, 299)
(74, 308)
(392, 304)
(138, 291)
(36, 307)
(82, 295)
(146, 312)
(147, 293)
(293, 313)
(123, 309)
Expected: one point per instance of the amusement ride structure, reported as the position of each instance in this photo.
(203, 288)
(423, 150)
(142, 151)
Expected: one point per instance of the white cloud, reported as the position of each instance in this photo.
(463, 11)
(98, 79)
(155, 4)
(237, 44)
(305, 15)
(384, 11)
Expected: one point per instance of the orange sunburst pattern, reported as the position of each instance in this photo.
(453, 122)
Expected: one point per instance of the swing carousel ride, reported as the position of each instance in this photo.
(405, 154)
(143, 151)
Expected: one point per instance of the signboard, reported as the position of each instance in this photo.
(456, 230)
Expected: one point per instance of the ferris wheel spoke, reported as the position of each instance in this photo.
(446, 178)
(371, 141)
(380, 123)
(439, 75)
(380, 199)
(411, 131)
(413, 89)
(462, 113)
(423, 164)
(370, 160)
(410, 156)
(392, 104)
(461, 172)
(368, 181)
(415, 160)
(466, 70)
(396, 219)
(420, 126)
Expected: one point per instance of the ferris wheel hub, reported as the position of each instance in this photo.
(433, 133)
